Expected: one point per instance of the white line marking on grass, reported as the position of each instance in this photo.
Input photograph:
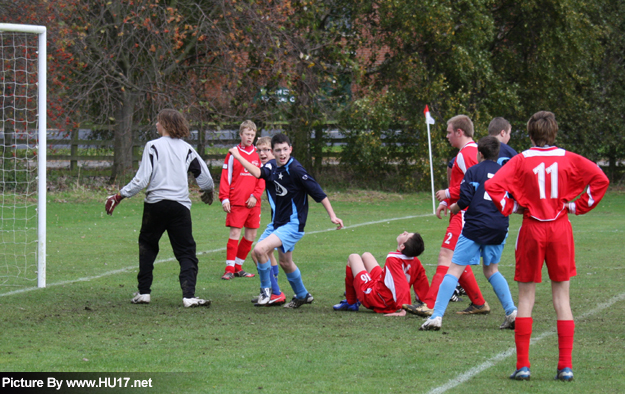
(122, 270)
(370, 223)
(109, 273)
(503, 355)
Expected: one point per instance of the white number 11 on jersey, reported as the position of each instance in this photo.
(553, 171)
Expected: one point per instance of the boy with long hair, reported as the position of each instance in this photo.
(164, 169)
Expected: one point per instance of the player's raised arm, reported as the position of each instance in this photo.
(326, 204)
(251, 168)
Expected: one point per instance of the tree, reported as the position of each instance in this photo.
(112, 60)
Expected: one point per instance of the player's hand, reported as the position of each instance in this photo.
(441, 195)
(570, 206)
(207, 196)
(251, 202)
(454, 208)
(400, 313)
(440, 208)
(234, 151)
(225, 205)
(338, 221)
(111, 203)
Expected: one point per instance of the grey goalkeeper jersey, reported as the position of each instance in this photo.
(164, 168)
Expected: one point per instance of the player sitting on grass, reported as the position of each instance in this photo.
(164, 170)
(385, 290)
(292, 186)
(240, 193)
(263, 146)
(544, 179)
(484, 234)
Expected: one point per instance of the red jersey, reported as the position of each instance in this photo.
(236, 183)
(392, 287)
(467, 157)
(544, 180)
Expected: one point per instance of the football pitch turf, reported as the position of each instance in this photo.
(84, 321)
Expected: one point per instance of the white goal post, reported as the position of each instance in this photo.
(23, 46)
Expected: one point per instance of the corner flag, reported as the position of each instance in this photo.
(428, 121)
(428, 118)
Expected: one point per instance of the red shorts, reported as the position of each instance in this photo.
(550, 242)
(240, 217)
(370, 291)
(453, 231)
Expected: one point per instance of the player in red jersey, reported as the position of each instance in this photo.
(240, 193)
(543, 180)
(386, 289)
(460, 135)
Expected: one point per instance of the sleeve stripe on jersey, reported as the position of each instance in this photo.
(461, 164)
(230, 165)
(591, 201)
(390, 284)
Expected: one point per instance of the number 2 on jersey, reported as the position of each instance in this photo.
(540, 173)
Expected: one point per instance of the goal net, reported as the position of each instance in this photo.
(22, 156)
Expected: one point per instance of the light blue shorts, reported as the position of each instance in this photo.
(287, 234)
(468, 252)
(268, 231)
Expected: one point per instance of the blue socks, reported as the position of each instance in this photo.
(502, 290)
(275, 289)
(264, 272)
(445, 291)
(295, 280)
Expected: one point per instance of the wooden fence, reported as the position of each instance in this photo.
(76, 144)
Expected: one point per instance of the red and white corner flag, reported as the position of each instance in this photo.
(428, 118)
(428, 121)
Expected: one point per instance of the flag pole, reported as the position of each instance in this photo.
(431, 171)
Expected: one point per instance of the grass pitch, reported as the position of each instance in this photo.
(83, 321)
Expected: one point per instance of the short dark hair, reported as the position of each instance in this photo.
(463, 123)
(280, 139)
(414, 246)
(496, 125)
(173, 122)
(543, 128)
(489, 147)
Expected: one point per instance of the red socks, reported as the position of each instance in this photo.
(231, 254)
(437, 279)
(469, 284)
(243, 250)
(522, 336)
(566, 331)
(350, 291)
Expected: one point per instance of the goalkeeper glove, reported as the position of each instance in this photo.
(111, 202)
(207, 196)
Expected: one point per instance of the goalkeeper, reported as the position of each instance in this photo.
(163, 169)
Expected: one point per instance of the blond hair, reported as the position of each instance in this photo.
(263, 141)
(248, 124)
(463, 123)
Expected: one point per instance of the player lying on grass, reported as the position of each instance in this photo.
(483, 235)
(263, 146)
(292, 186)
(164, 170)
(386, 289)
(544, 179)
(240, 194)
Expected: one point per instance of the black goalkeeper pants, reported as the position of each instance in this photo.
(174, 218)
